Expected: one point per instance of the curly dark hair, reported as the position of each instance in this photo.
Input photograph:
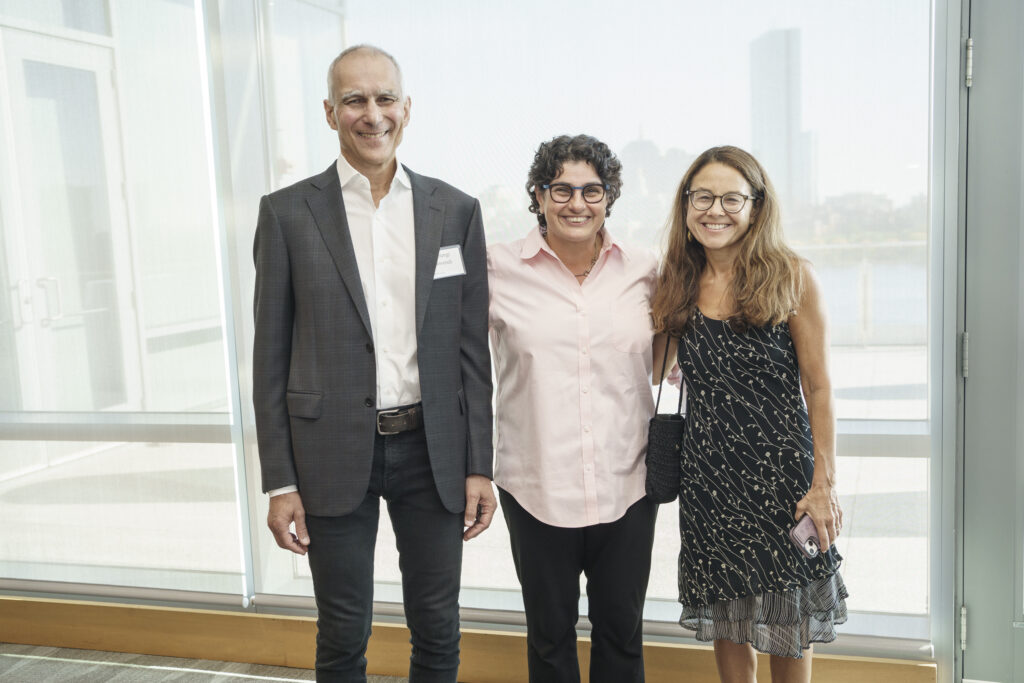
(552, 155)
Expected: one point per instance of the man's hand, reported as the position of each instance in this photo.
(480, 505)
(285, 509)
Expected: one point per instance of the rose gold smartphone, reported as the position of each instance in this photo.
(805, 537)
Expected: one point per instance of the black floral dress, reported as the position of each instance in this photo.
(747, 459)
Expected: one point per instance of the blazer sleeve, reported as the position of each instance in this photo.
(274, 313)
(475, 353)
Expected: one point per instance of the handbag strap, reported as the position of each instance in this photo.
(664, 363)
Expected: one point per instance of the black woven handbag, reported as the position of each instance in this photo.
(664, 448)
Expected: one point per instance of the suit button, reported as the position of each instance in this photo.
(369, 347)
(370, 402)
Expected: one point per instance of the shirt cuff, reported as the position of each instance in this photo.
(284, 489)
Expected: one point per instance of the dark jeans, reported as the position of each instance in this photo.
(429, 540)
(616, 557)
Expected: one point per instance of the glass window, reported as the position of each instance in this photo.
(847, 153)
(126, 514)
(81, 15)
(110, 243)
(303, 38)
(109, 229)
(170, 198)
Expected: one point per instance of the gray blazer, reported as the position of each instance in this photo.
(314, 366)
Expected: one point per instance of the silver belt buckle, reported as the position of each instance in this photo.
(387, 413)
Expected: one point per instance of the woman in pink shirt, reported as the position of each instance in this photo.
(571, 336)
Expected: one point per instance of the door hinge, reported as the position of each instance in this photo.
(963, 354)
(963, 627)
(969, 64)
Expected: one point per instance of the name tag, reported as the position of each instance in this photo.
(449, 262)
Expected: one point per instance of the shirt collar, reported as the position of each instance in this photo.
(535, 243)
(346, 173)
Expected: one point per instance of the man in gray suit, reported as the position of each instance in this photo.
(371, 375)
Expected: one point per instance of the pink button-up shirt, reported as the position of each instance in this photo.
(573, 364)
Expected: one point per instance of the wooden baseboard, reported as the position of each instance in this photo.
(487, 656)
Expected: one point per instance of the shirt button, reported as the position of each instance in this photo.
(586, 428)
(370, 402)
(583, 350)
(585, 389)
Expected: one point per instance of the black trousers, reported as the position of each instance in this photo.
(616, 558)
(429, 540)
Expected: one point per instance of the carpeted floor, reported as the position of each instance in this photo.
(28, 664)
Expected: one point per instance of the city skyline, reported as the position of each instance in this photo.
(489, 82)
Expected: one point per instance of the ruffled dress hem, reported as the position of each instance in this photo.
(784, 623)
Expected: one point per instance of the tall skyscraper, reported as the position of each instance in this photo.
(778, 139)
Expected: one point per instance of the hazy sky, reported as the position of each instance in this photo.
(489, 80)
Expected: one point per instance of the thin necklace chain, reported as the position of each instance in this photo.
(597, 250)
(598, 243)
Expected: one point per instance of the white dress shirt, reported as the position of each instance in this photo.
(383, 238)
(385, 245)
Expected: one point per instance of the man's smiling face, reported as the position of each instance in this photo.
(369, 111)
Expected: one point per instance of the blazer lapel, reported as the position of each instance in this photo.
(328, 210)
(428, 220)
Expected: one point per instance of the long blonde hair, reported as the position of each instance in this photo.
(766, 282)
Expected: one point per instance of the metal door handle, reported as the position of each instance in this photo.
(51, 284)
(15, 299)
(23, 302)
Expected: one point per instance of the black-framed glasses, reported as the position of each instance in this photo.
(732, 202)
(561, 193)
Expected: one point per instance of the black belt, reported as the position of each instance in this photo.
(398, 420)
